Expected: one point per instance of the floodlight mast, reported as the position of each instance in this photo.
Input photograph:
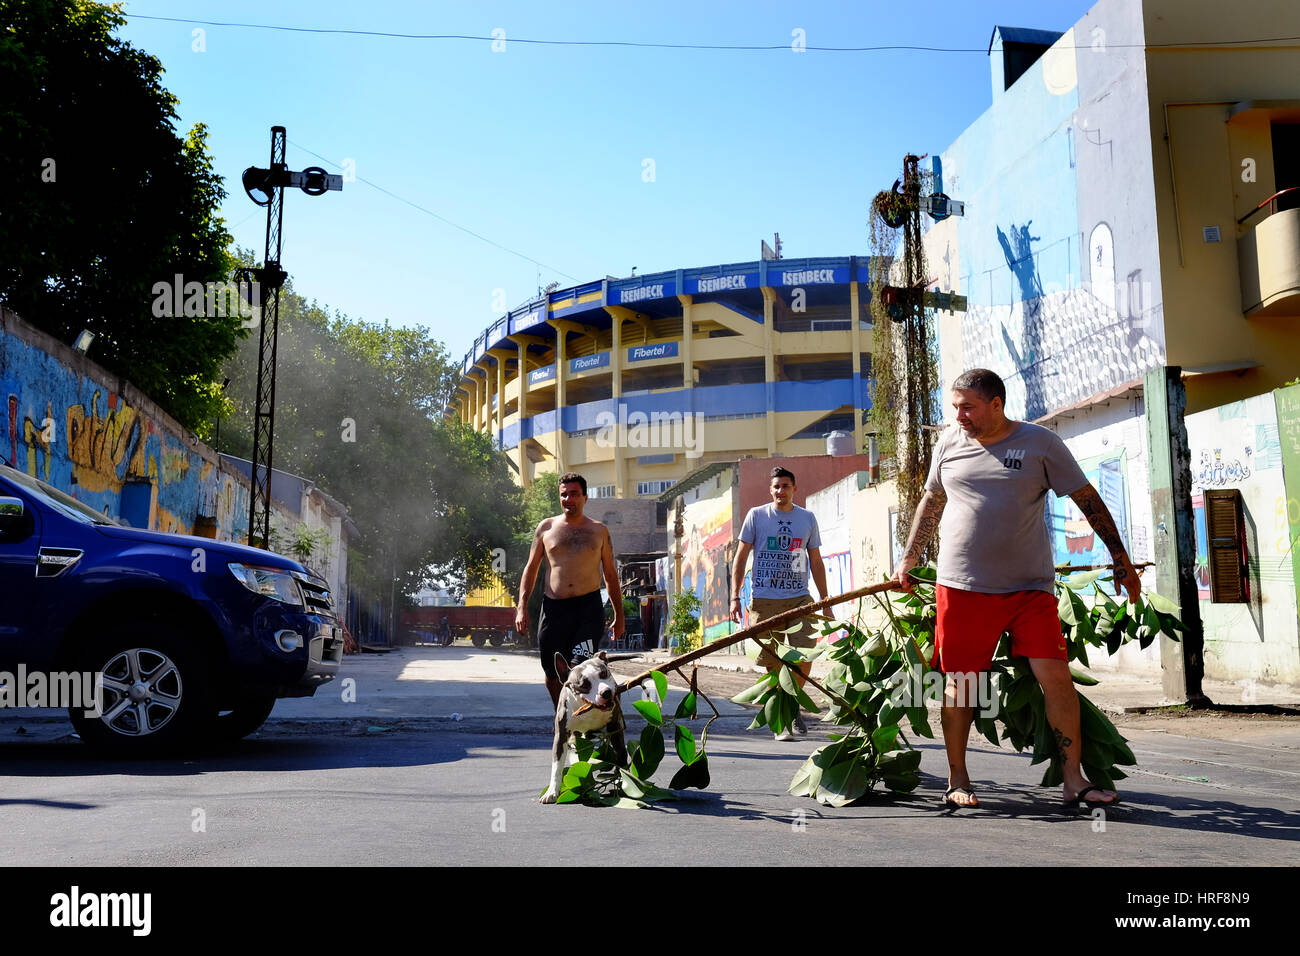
(270, 183)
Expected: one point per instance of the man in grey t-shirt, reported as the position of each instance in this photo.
(786, 545)
(989, 477)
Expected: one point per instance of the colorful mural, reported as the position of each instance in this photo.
(706, 565)
(90, 441)
(1072, 537)
(1202, 548)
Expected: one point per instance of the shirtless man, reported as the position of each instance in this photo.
(577, 551)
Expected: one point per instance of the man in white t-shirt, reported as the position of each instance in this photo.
(786, 545)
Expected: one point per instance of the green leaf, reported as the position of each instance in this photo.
(788, 683)
(883, 737)
(650, 711)
(987, 727)
(624, 803)
(650, 753)
(1160, 603)
(876, 646)
(661, 684)
(684, 740)
(919, 718)
(1082, 579)
(772, 713)
(568, 796)
(631, 785)
(1082, 622)
(1065, 608)
(899, 761)
(692, 775)
(913, 656)
(889, 714)
(575, 775)
(1079, 677)
(686, 708)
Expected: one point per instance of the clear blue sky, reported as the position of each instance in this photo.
(541, 148)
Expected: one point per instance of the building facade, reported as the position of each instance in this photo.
(1127, 220)
(637, 382)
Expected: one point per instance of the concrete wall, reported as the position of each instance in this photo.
(1237, 446)
(632, 522)
(812, 473)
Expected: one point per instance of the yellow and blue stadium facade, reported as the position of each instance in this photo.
(637, 382)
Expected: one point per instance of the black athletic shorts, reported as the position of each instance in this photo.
(566, 623)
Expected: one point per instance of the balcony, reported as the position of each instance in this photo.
(1269, 259)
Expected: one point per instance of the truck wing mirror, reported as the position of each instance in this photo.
(15, 522)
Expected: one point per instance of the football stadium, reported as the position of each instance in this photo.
(637, 382)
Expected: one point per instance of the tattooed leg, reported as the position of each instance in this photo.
(1061, 702)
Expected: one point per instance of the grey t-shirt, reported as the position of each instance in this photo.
(781, 540)
(994, 536)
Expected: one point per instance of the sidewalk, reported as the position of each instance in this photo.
(430, 687)
(1117, 694)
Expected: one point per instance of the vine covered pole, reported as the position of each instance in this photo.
(774, 623)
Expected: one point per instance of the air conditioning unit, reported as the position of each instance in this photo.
(830, 325)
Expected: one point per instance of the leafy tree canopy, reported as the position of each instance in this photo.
(359, 411)
(102, 199)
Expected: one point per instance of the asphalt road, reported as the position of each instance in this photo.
(395, 783)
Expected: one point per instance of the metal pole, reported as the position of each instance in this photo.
(259, 506)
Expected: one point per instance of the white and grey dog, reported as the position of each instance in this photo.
(588, 701)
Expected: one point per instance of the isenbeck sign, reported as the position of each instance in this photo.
(703, 285)
(655, 290)
(585, 363)
(640, 353)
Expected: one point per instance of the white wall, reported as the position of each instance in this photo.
(1236, 446)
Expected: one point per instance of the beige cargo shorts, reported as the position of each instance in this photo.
(760, 609)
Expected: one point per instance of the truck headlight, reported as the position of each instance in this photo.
(274, 583)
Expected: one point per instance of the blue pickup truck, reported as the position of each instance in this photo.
(195, 638)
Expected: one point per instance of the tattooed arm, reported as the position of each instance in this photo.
(924, 525)
(1098, 515)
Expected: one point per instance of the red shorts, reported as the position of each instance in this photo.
(969, 625)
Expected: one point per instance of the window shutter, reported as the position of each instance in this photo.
(1227, 557)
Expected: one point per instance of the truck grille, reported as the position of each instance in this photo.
(317, 594)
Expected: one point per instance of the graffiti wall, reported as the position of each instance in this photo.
(1238, 446)
(66, 421)
(1109, 441)
(706, 560)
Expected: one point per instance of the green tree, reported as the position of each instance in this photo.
(541, 500)
(358, 412)
(103, 199)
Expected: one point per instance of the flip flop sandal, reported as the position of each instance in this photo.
(1078, 800)
(948, 801)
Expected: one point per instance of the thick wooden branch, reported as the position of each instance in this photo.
(776, 622)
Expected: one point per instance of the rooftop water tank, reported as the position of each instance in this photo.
(839, 444)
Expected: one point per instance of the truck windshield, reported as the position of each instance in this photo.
(65, 505)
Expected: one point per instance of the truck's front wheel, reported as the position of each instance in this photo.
(156, 691)
(249, 711)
